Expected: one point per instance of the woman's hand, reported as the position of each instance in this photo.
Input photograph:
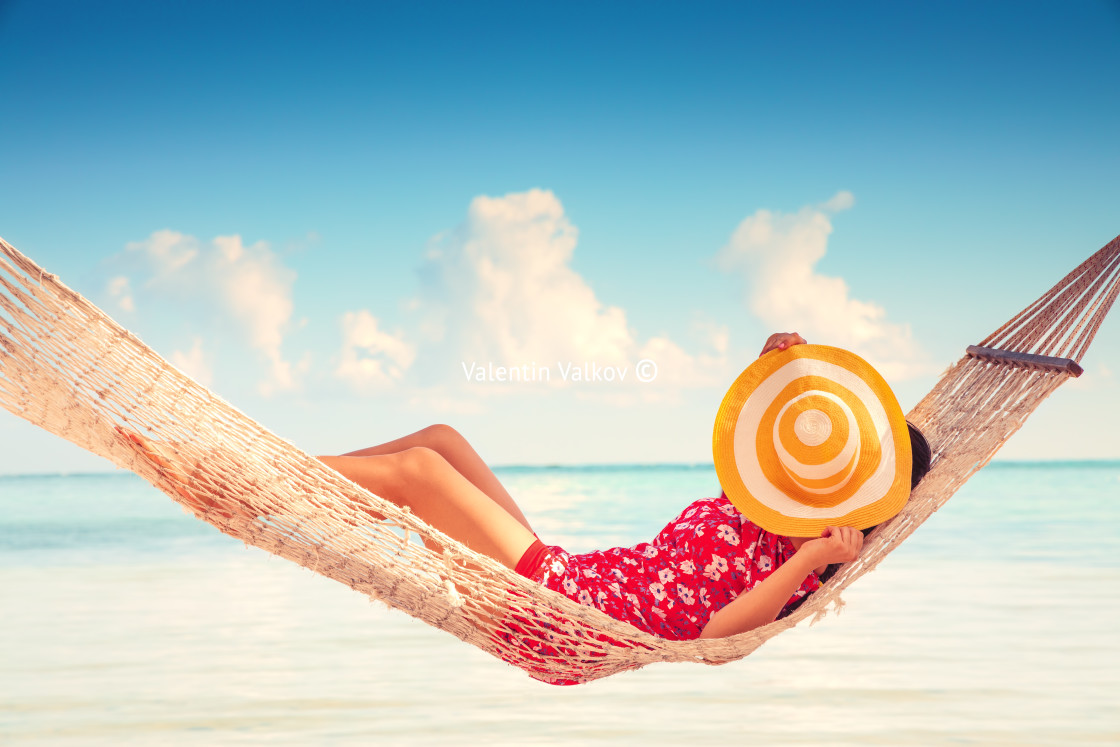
(781, 341)
(762, 604)
(835, 545)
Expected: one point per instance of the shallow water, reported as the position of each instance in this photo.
(125, 621)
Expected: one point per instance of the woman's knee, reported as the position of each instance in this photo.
(442, 438)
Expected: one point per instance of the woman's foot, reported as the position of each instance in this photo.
(181, 481)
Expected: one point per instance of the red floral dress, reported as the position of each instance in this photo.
(672, 586)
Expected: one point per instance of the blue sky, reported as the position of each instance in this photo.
(325, 211)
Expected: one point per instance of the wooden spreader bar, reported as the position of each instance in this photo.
(1030, 360)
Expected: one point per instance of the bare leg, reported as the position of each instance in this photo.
(449, 444)
(417, 477)
(428, 484)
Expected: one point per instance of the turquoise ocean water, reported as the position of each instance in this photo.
(125, 621)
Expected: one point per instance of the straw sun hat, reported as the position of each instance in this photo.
(810, 437)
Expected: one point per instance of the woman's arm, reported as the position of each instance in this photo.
(762, 604)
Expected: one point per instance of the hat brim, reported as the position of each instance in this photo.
(872, 480)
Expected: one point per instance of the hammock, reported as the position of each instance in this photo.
(67, 367)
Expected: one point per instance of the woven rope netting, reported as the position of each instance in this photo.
(69, 368)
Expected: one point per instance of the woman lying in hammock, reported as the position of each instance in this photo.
(712, 571)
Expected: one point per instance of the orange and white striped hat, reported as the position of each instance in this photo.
(810, 437)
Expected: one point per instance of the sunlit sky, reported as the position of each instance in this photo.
(336, 214)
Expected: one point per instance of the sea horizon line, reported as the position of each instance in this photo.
(622, 467)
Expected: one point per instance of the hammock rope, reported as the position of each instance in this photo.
(69, 368)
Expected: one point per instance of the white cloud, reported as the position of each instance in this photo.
(120, 289)
(500, 288)
(842, 200)
(246, 284)
(776, 253)
(166, 251)
(371, 358)
(195, 363)
(677, 368)
(258, 290)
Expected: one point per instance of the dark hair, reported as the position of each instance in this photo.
(921, 455)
